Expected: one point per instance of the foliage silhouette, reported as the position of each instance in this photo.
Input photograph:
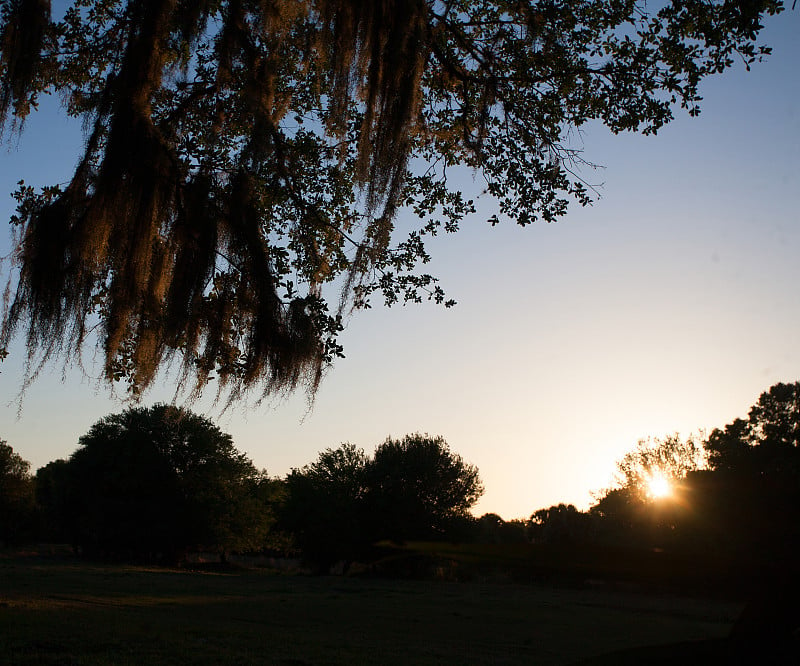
(152, 483)
(671, 458)
(561, 524)
(767, 442)
(756, 490)
(242, 158)
(739, 518)
(325, 509)
(339, 506)
(491, 528)
(16, 496)
(417, 488)
(629, 513)
(55, 502)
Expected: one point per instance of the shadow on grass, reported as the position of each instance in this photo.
(59, 612)
(710, 652)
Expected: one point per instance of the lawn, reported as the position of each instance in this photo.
(65, 612)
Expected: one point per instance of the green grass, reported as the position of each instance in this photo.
(71, 613)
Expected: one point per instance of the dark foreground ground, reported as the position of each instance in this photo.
(56, 611)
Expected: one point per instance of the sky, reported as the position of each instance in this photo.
(667, 306)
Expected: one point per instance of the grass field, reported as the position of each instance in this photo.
(71, 613)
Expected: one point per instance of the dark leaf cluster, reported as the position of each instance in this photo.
(16, 496)
(153, 484)
(414, 488)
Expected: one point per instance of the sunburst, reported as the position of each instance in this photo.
(658, 485)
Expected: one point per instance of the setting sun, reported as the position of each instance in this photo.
(658, 486)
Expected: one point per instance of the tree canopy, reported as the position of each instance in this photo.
(343, 503)
(324, 506)
(560, 524)
(155, 482)
(669, 459)
(650, 497)
(417, 487)
(768, 441)
(244, 159)
(16, 494)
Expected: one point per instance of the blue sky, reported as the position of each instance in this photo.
(668, 306)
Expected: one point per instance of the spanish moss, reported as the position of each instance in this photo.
(245, 158)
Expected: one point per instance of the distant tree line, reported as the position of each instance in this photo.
(158, 483)
(154, 484)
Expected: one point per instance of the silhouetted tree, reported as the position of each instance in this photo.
(561, 524)
(754, 495)
(750, 507)
(16, 496)
(620, 510)
(729, 448)
(417, 487)
(742, 513)
(669, 460)
(767, 442)
(270, 493)
(325, 507)
(491, 528)
(55, 497)
(630, 512)
(241, 155)
(339, 506)
(156, 482)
